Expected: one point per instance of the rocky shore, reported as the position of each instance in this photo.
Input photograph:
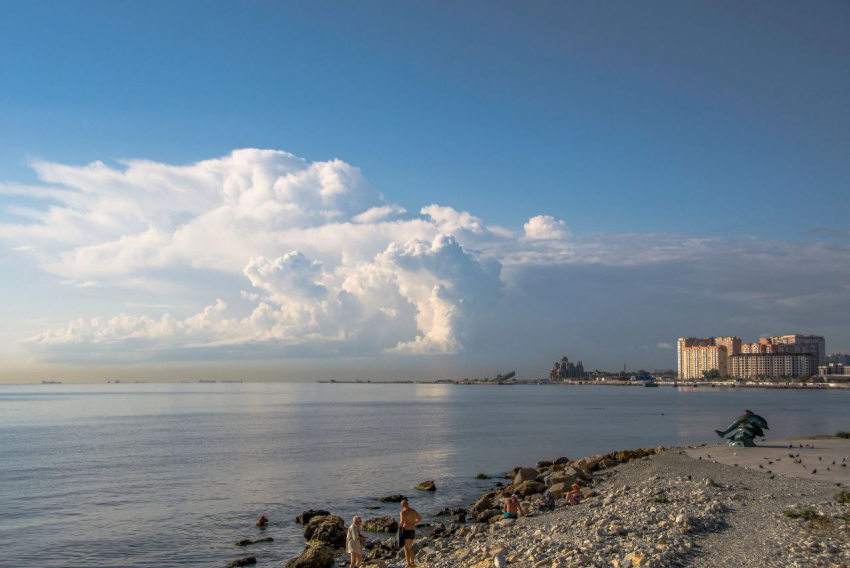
(646, 507)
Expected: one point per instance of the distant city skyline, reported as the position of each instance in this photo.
(298, 192)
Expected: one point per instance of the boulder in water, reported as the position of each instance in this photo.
(482, 476)
(314, 556)
(328, 530)
(392, 498)
(247, 561)
(305, 516)
(248, 541)
(381, 524)
(426, 486)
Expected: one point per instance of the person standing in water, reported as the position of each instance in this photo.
(408, 519)
(354, 542)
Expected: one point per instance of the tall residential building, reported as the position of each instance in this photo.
(732, 344)
(800, 344)
(698, 354)
(763, 365)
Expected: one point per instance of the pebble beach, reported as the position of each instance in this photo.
(675, 506)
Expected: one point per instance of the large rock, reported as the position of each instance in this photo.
(392, 498)
(239, 562)
(426, 486)
(480, 506)
(541, 465)
(485, 516)
(305, 516)
(381, 524)
(561, 460)
(329, 530)
(314, 556)
(528, 488)
(525, 474)
(576, 472)
(567, 480)
(588, 464)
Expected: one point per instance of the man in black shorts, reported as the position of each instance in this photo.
(408, 520)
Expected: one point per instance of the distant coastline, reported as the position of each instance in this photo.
(675, 384)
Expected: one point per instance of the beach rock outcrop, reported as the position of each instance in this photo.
(381, 525)
(485, 516)
(426, 486)
(525, 474)
(305, 516)
(482, 476)
(314, 556)
(328, 530)
(526, 488)
(480, 506)
(396, 498)
(563, 460)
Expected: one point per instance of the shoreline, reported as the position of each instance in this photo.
(651, 507)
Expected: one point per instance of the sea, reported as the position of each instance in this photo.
(174, 474)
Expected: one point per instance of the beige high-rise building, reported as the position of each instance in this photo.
(732, 344)
(698, 354)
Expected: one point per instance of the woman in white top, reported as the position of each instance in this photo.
(354, 542)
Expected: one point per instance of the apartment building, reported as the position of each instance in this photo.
(763, 365)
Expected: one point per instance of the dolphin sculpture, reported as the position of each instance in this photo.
(745, 429)
(747, 418)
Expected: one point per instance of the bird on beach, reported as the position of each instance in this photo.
(771, 463)
(820, 458)
(768, 471)
(761, 466)
(709, 456)
(700, 458)
(736, 465)
(844, 465)
(833, 462)
(827, 468)
(814, 471)
(772, 476)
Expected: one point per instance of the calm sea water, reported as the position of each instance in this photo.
(161, 475)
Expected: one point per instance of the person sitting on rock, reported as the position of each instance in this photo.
(573, 496)
(547, 503)
(354, 542)
(513, 509)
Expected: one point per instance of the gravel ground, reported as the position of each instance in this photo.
(664, 510)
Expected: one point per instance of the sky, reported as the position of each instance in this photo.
(376, 190)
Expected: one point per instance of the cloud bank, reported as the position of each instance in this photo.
(308, 260)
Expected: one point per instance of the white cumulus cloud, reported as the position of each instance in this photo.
(546, 227)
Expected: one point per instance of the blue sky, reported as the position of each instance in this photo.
(719, 120)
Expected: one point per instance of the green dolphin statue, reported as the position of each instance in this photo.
(745, 429)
